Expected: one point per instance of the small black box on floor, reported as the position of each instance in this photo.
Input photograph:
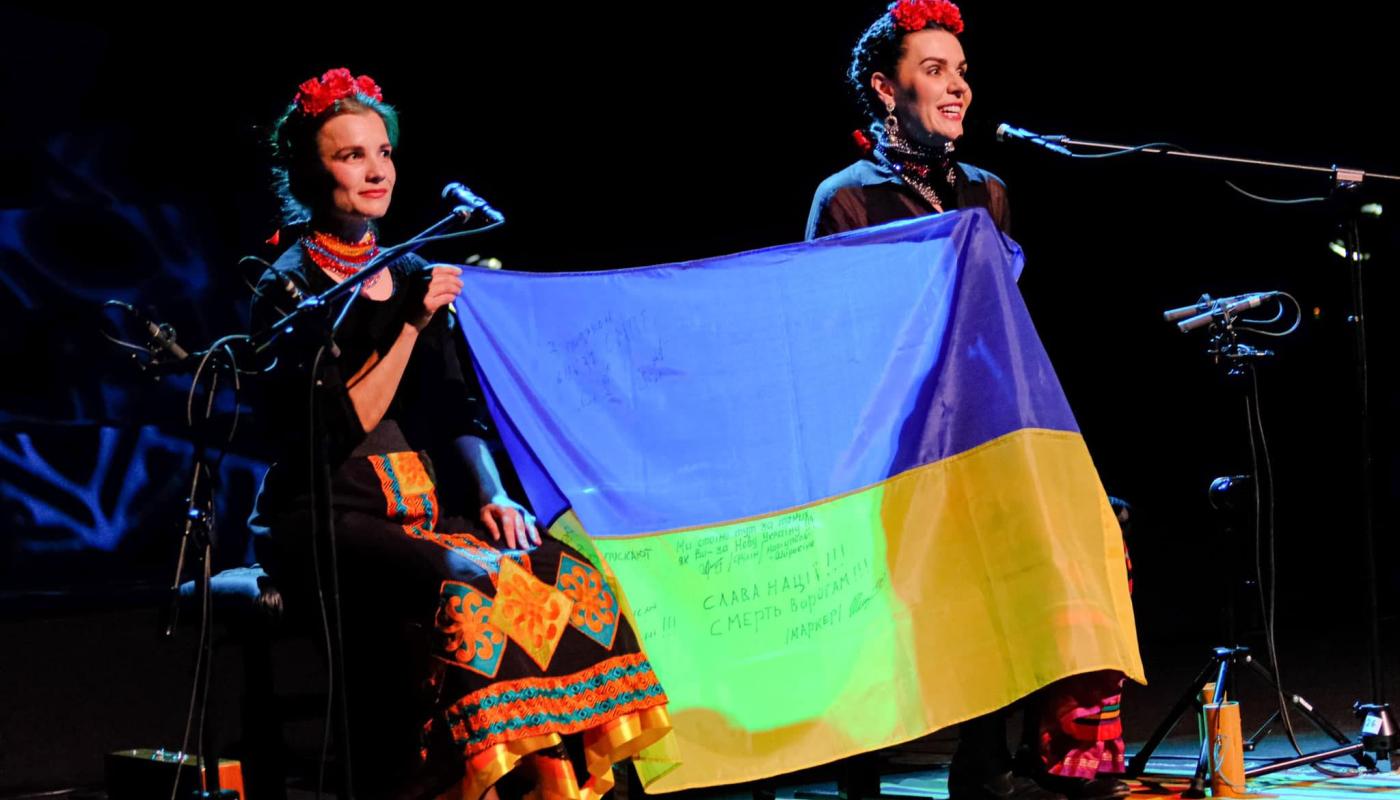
(146, 774)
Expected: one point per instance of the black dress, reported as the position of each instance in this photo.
(528, 646)
(867, 193)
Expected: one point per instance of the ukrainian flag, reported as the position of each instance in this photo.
(837, 480)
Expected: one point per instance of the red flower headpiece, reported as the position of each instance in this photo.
(315, 96)
(915, 15)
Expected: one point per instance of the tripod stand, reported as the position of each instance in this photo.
(1239, 362)
(1223, 665)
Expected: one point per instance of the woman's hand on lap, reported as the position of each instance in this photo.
(502, 516)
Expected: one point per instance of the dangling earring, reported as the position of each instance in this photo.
(891, 121)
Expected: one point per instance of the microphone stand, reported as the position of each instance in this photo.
(1346, 185)
(1240, 362)
(1346, 193)
(199, 535)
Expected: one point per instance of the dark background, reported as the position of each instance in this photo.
(617, 136)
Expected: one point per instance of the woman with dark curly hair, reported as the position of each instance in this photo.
(909, 74)
(533, 664)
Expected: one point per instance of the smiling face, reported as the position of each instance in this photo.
(929, 89)
(356, 153)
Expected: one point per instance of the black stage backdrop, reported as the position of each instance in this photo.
(617, 135)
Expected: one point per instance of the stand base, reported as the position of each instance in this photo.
(1220, 665)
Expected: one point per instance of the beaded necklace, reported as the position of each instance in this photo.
(927, 170)
(341, 258)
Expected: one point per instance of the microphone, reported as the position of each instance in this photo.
(468, 202)
(162, 336)
(1201, 306)
(290, 287)
(1226, 308)
(1227, 493)
(1007, 131)
(284, 281)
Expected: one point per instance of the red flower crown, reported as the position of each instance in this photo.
(915, 15)
(315, 96)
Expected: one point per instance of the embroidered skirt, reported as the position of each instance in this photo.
(530, 647)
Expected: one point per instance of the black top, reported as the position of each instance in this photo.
(437, 400)
(868, 193)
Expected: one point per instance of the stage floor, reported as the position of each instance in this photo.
(1170, 768)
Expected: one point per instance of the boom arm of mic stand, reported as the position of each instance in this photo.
(1252, 162)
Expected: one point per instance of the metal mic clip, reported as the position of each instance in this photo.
(469, 203)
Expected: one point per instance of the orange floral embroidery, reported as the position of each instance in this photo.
(595, 606)
(532, 613)
(468, 637)
(593, 603)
